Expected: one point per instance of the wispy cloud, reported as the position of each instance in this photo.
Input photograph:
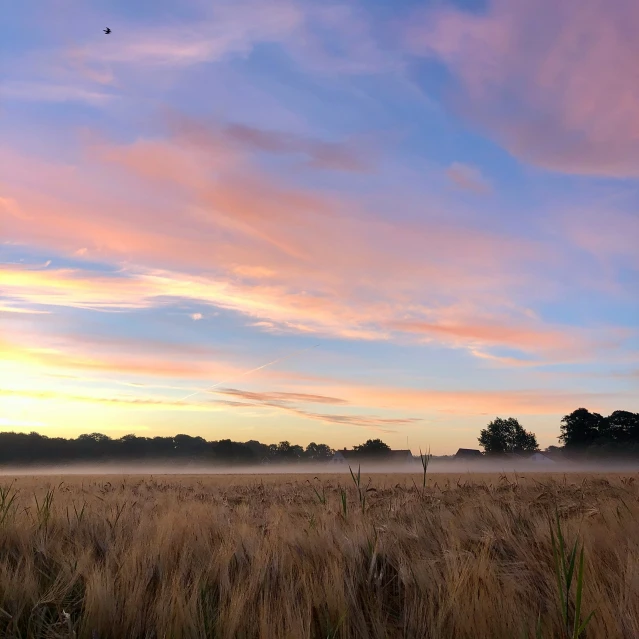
(289, 402)
(303, 398)
(289, 313)
(326, 38)
(292, 259)
(120, 356)
(532, 338)
(227, 28)
(32, 91)
(370, 422)
(489, 401)
(23, 310)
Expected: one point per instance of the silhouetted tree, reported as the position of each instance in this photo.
(373, 448)
(552, 449)
(581, 429)
(622, 427)
(318, 452)
(582, 432)
(228, 451)
(289, 452)
(506, 436)
(31, 448)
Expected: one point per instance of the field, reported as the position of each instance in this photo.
(296, 556)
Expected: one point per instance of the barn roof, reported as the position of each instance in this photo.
(468, 452)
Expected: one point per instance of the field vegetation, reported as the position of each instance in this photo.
(342, 555)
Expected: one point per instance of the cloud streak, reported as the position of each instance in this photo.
(285, 312)
(293, 259)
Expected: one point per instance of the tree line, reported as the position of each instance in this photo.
(34, 448)
(582, 434)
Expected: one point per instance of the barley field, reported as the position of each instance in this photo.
(476, 556)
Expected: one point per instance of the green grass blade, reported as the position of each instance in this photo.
(580, 583)
(558, 575)
(571, 567)
(584, 624)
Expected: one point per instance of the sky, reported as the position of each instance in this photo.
(317, 221)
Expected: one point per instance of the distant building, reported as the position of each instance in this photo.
(517, 456)
(346, 456)
(343, 456)
(468, 453)
(525, 457)
(540, 458)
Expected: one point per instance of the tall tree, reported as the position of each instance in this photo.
(506, 436)
(318, 452)
(622, 427)
(373, 448)
(581, 429)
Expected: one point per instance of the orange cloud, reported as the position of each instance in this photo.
(287, 311)
(291, 259)
(538, 338)
(431, 402)
(124, 356)
(304, 398)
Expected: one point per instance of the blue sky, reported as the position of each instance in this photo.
(352, 219)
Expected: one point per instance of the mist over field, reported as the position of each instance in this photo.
(448, 467)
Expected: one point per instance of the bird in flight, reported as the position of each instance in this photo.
(107, 31)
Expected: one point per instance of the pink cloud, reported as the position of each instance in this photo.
(284, 310)
(319, 154)
(554, 82)
(609, 235)
(527, 338)
(290, 258)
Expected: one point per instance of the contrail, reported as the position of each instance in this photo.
(253, 370)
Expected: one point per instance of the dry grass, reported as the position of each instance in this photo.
(244, 556)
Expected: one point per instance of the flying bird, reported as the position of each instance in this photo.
(107, 31)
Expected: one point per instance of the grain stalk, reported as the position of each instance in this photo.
(565, 563)
(361, 491)
(43, 509)
(7, 500)
(425, 460)
(321, 497)
(343, 501)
